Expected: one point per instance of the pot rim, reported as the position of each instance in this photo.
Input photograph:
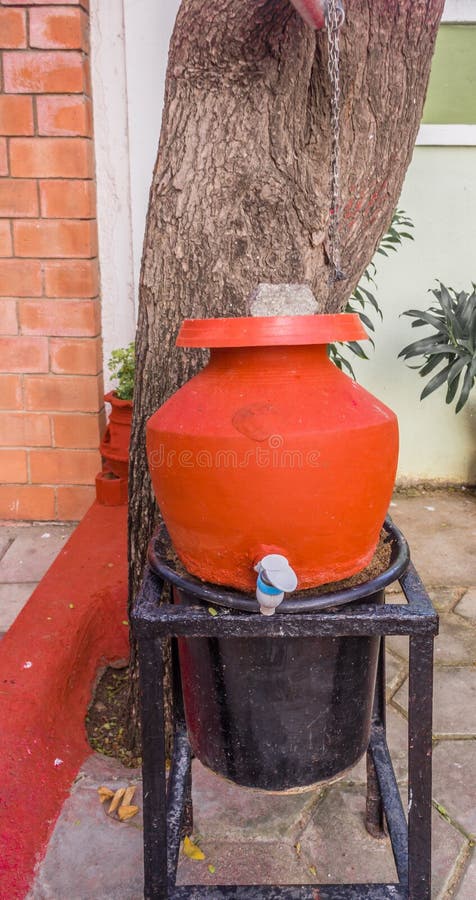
(112, 398)
(271, 331)
(307, 602)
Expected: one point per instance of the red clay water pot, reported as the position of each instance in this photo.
(114, 446)
(271, 449)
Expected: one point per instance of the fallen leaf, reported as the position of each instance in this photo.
(125, 622)
(191, 850)
(211, 869)
(127, 812)
(212, 611)
(116, 800)
(126, 800)
(105, 793)
(297, 848)
(313, 871)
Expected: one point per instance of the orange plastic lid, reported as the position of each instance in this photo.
(268, 331)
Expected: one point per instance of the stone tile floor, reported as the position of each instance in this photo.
(319, 836)
(26, 552)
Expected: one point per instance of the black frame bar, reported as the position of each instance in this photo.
(168, 808)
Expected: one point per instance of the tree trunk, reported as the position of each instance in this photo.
(241, 187)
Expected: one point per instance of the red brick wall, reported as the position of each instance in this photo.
(51, 394)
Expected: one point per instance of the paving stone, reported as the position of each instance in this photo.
(100, 770)
(253, 862)
(337, 843)
(454, 707)
(6, 538)
(453, 781)
(395, 669)
(467, 606)
(455, 644)
(91, 856)
(467, 887)
(394, 593)
(397, 739)
(12, 599)
(444, 599)
(329, 845)
(32, 552)
(447, 843)
(440, 528)
(224, 811)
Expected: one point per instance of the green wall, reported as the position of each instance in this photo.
(452, 90)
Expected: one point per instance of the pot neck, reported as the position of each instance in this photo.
(257, 359)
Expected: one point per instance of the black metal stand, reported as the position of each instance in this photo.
(168, 809)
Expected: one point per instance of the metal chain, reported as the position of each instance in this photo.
(335, 19)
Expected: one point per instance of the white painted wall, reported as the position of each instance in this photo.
(459, 11)
(440, 196)
(148, 27)
(129, 45)
(111, 141)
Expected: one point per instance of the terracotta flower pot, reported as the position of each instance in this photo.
(271, 449)
(114, 446)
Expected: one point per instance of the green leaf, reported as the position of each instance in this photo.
(420, 348)
(435, 382)
(425, 318)
(428, 367)
(367, 322)
(372, 300)
(452, 389)
(467, 387)
(456, 369)
(357, 349)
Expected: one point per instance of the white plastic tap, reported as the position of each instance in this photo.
(275, 579)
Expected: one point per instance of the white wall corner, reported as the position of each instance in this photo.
(459, 11)
(111, 143)
(447, 136)
(148, 28)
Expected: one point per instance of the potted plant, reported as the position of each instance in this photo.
(114, 446)
(450, 348)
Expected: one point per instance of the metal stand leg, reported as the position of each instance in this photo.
(374, 813)
(187, 821)
(181, 729)
(419, 766)
(374, 817)
(151, 674)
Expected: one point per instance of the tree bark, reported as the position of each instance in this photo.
(241, 187)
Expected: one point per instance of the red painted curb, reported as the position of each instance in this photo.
(73, 622)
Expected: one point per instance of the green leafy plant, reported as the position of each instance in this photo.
(122, 367)
(363, 300)
(451, 346)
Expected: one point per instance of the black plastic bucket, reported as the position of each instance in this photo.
(279, 714)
